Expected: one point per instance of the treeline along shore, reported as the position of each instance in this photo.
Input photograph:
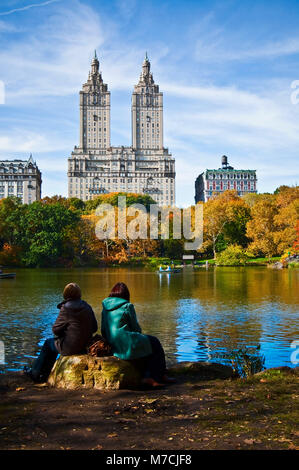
(58, 231)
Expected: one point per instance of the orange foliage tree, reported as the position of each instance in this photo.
(223, 213)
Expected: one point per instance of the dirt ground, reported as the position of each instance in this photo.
(257, 413)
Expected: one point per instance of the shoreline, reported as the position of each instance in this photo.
(194, 414)
(148, 263)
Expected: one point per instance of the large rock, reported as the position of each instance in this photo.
(277, 265)
(111, 373)
(102, 373)
(203, 370)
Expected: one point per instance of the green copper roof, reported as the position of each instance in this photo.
(221, 170)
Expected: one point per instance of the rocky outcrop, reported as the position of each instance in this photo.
(203, 370)
(292, 260)
(102, 373)
(277, 265)
(111, 373)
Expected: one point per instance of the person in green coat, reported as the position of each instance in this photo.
(121, 329)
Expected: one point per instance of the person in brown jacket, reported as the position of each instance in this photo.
(73, 329)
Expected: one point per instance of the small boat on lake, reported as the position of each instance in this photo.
(7, 275)
(169, 270)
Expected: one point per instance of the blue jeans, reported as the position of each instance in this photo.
(42, 366)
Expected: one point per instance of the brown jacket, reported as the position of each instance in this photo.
(74, 327)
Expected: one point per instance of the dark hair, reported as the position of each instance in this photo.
(120, 290)
(72, 291)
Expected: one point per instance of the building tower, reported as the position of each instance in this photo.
(94, 110)
(95, 167)
(147, 111)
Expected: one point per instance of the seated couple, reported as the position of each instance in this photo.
(76, 324)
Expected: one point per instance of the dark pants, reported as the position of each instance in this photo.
(155, 365)
(42, 366)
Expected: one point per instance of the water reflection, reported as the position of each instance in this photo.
(195, 314)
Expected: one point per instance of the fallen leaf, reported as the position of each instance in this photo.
(149, 400)
(98, 447)
(249, 441)
(20, 389)
(113, 434)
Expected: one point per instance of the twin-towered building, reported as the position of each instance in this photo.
(146, 167)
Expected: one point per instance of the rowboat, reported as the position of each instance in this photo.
(7, 275)
(168, 271)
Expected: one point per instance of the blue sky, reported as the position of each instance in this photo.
(225, 68)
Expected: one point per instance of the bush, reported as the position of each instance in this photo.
(293, 265)
(233, 255)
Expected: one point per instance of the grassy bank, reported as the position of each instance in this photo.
(156, 262)
(256, 413)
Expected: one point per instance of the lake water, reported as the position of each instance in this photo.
(194, 313)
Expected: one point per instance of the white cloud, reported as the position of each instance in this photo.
(215, 52)
(218, 42)
(54, 57)
(201, 123)
(7, 27)
(126, 8)
(20, 140)
(28, 7)
(234, 117)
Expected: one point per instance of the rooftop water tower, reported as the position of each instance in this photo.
(224, 161)
(225, 164)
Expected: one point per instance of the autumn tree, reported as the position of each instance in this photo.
(261, 228)
(226, 216)
(286, 219)
(296, 242)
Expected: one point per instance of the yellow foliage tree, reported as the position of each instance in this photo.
(219, 211)
(261, 228)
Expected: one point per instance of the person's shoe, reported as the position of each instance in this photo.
(151, 383)
(28, 372)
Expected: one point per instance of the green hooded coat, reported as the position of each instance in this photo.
(122, 331)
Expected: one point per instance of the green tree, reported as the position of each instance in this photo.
(9, 207)
(233, 255)
(112, 198)
(41, 230)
